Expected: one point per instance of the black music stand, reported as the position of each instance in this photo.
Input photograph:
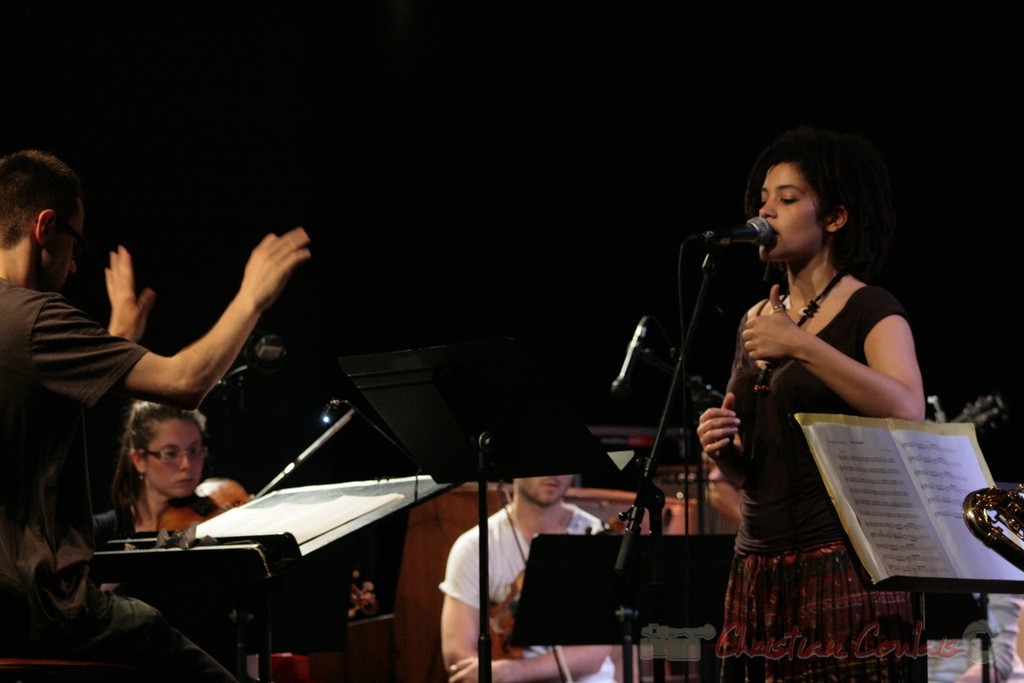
(475, 411)
(571, 592)
(266, 568)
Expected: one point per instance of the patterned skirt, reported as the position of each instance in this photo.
(804, 615)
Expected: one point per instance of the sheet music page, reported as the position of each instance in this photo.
(946, 465)
(305, 512)
(899, 487)
(876, 498)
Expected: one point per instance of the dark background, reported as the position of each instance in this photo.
(529, 170)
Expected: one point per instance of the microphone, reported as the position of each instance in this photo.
(620, 385)
(264, 351)
(756, 231)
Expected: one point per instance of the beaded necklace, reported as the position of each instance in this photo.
(761, 387)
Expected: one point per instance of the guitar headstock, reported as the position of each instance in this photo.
(985, 412)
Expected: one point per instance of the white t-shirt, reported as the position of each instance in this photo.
(1004, 662)
(507, 552)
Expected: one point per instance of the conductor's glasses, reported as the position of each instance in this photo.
(81, 244)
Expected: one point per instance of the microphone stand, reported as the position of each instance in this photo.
(310, 450)
(701, 394)
(651, 498)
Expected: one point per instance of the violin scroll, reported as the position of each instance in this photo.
(225, 493)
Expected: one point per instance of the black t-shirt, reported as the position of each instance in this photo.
(784, 503)
(54, 363)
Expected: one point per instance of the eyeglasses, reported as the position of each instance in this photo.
(81, 244)
(173, 454)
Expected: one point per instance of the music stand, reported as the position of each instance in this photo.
(476, 411)
(571, 591)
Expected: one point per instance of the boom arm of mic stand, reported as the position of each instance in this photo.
(651, 498)
(644, 492)
(698, 389)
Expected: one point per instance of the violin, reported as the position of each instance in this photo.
(502, 620)
(210, 498)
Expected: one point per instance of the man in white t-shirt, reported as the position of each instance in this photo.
(964, 662)
(537, 507)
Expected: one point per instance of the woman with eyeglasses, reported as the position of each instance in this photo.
(158, 484)
(56, 364)
(160, 465)
(158, 477)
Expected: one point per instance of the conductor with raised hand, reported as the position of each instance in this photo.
(56, 362)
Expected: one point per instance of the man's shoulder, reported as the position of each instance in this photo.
(13, 293)
(21, 310)
(28, 304)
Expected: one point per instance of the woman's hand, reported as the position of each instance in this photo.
(717, 427)
(769, 337)
(718, 431)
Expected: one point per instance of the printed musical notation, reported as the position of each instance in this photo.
(899, 489)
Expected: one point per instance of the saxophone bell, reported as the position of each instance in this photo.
(996, 517)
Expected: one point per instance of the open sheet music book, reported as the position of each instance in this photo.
(899, 488)
(305, 512)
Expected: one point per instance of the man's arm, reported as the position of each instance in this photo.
(460, 636)
(185, 378)
(460, 630)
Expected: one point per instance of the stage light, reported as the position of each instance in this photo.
(330, 412)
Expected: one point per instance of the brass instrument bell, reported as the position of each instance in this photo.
(996, 517)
